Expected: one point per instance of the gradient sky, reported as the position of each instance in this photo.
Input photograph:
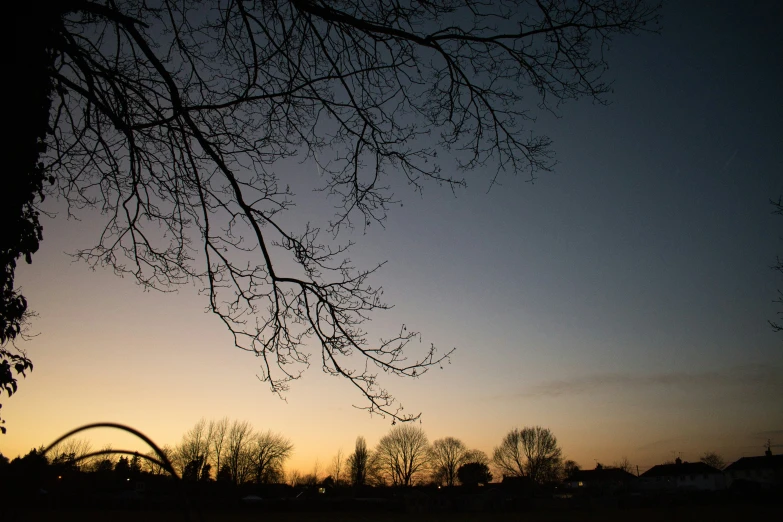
(621, 301)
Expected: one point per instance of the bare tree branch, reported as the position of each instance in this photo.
(169, 116)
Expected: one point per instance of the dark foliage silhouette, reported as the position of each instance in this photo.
(12, 363)
(122, 469)
(170, 116)
(224, 475)
(103, 466)
(22, 230)
(358, 462)
(21, 227)
(570, 468)
(473, 474)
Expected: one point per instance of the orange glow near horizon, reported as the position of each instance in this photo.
(158, 364)
(622, 300)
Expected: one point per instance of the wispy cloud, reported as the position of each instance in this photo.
(658, 444)
(755, 376)
(769, 434)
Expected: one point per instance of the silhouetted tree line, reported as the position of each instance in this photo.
(228, 463)
(233, 453)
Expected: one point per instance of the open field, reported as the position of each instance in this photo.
(746, 512)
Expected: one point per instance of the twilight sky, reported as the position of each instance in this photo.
(621, 301)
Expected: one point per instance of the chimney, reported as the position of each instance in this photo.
(678, 461)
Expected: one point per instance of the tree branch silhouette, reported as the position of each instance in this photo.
(169, 116)
(778, 267)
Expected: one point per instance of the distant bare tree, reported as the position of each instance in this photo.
(623, 464)
(269, 451)
(152, 467)
(73, 450)
(294, 478)
(178, 126)
(218, 431)
(479, 456)
(403, 454)
(238, 451)
(531, 452)
(447, 455)
(312, 479)
(338, 464)
(376, 476)
(713, 459)
(194, 449)
(316, 471)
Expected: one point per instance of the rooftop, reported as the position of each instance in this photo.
(601, 475)
(763, 462)
(679, 469)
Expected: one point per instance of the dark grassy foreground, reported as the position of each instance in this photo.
(733, 513)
